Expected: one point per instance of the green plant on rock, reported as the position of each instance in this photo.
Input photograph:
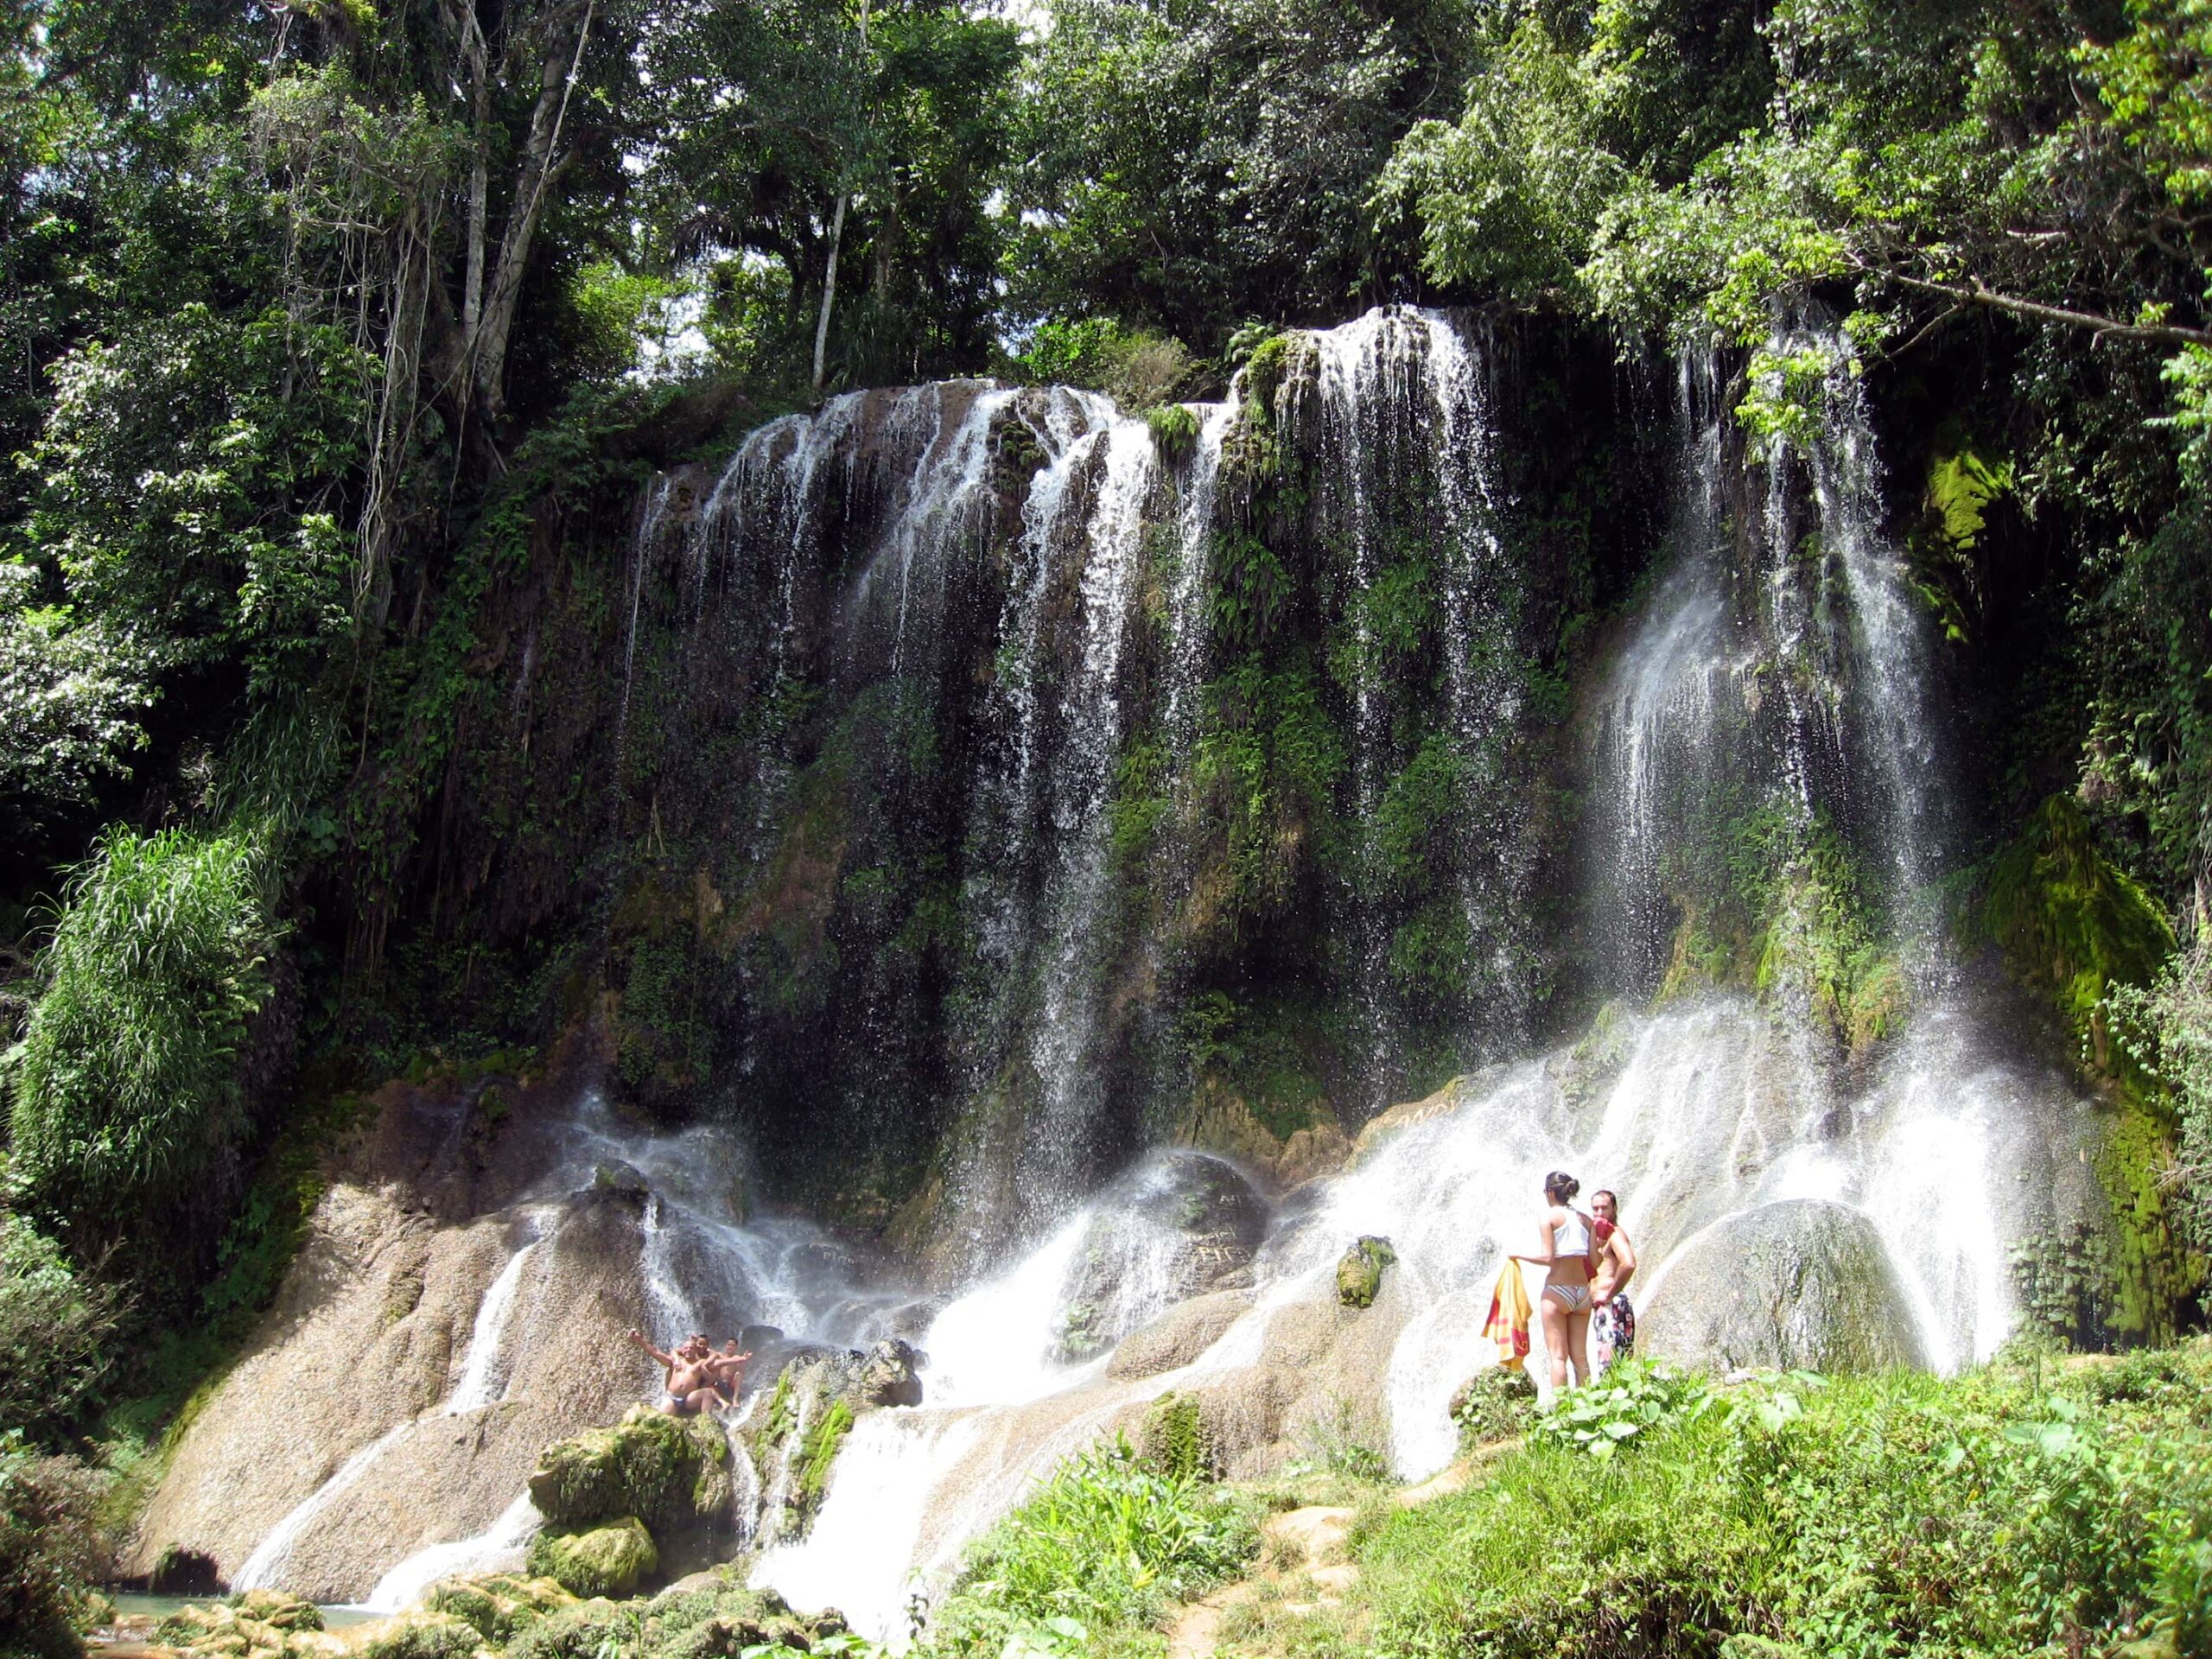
(1496, 1404)
(1174, 431)
(1175, 1441)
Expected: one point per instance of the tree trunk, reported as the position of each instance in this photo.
(829, 291)
(540, 161)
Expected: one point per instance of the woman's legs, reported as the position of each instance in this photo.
(1577, 1342)
(1555, 1319)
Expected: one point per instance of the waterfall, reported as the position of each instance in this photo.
(480, 1384)
(1405, 473)
(263, 1568)
(499, 1549)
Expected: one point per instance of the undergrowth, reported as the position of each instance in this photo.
(2005, 1512)
(1096, 1554)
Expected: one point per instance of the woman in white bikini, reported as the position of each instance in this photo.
(1564, 1304)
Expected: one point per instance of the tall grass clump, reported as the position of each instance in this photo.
(54, 1327)
(125, 1089)
(1107, 1543)
(2000, 1514)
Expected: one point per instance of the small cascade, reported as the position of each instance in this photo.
(1406, 490)
(481, 1382)
(500, 1548)
(1199, 493)
(264, 1569)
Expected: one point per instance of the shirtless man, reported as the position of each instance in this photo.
(728, 1367)
(1613, 1264)
(690, 1386)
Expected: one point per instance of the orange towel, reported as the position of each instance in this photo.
(1508, 1325)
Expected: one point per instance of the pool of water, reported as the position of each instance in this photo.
(136, 1604)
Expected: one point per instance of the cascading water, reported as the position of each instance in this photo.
(1772, 695)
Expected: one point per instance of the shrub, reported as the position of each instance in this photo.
(126, 1086)
(1105, 1542)
(54, 1330)
(1629, 1401)
(51, 1551)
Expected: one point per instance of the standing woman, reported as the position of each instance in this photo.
(1564, 1304)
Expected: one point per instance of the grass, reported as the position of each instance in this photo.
(2021, 1507)
(1091, 1562)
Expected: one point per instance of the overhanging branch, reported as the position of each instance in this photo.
(1976, 292)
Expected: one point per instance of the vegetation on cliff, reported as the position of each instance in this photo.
(341, 339)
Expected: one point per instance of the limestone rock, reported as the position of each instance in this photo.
(672, 1472)
(891, 1375)
(1801, 1283)
(610, 1559)
(1359, 1274)
(1178, 1336)
(1182, 1223)
(418, 1635)
(497, 1605)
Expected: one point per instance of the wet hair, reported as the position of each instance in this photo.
(1560, 1186)
(1606, 1192)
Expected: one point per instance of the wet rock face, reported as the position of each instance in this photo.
(891, 1375)
(1183, 1224)
(1796, 1283)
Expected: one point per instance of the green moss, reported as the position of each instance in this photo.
(1174, 1439)
(1265, 370)
(648, 1464)
(824, 1441)
(2074, 928)
(610, 1558)
(499, 1605)
(2072, 925)
(1359, 1272)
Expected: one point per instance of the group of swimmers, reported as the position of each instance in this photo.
(1587, 1263)
(701, 1377)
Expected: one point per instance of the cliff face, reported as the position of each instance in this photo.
(965, 785)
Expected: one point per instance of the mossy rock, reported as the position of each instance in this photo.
(1359, 1275)
(498, 1604)
(275, 1608)
(672, 1472)
(611, 1559)
(420, 1635)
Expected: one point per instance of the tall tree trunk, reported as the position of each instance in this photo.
(836, 238)
(540, 161)
(829, 291)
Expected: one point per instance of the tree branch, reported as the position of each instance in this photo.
(1976, 292)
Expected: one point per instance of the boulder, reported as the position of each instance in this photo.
(891, 1375)
(1182, 1223)
(672, 1472)
(1178, 1336)
(609, 1559)
(1801, 1283)
(258, 1624)
(418, 1634)
(1359, 1274)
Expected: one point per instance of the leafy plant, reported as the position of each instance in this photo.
(1633, 1400)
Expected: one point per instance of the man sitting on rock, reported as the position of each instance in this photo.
(728, 1367)
(690, 1386)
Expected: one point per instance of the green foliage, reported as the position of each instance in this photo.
(1174, 431)
(1176, 1441)
(1895, 1515)
(606, 1558)
(55, 1329)
(1105, 1543)
(125, 1085)
(1632, 1400)
(2165, 1028)
(1497, 1403)
(71, 696)
(51, 1551)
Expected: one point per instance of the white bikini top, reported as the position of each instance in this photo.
(1570, 1237)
